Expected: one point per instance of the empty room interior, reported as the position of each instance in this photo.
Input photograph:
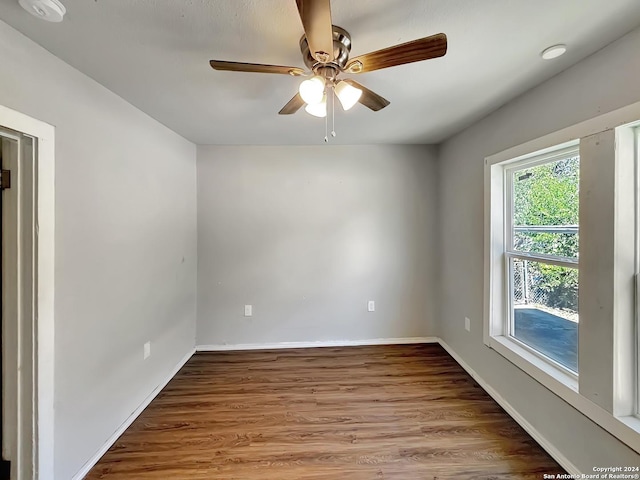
(313, 239)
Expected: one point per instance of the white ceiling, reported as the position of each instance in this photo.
(155, 54)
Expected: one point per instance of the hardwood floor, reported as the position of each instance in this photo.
(372, 413)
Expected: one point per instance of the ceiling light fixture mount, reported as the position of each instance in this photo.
(553, 52)
(49, 10)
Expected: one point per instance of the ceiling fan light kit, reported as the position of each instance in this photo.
(325, 51)
(49, 10)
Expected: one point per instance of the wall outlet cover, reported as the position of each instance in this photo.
(147, 350)
(248, 310)
(371, 306)
(467, 324)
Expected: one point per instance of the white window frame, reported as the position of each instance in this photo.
(510, 253)
(637, 267)
(618, 388)
(498, 320)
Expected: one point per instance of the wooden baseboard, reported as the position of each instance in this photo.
(328, 343)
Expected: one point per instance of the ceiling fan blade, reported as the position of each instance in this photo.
(316, 20)
(414, 51)
(369, 98)
(292, 106)
(255, 67)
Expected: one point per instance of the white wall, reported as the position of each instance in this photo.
(125, 245)
(308, 235)
(603, 82)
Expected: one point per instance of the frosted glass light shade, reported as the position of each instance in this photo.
(312, 90)
(318, 109)
(347, 94)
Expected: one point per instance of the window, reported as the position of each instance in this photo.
(562, 224)
(541, 256)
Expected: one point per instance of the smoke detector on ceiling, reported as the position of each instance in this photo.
(49, 10)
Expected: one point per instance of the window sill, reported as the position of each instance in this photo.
(631, 421)
(532, 364)
(626, 429)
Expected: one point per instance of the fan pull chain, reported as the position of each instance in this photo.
(326, 129)
(333, 112)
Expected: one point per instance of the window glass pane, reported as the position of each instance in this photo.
(545, 309)
(545, 208)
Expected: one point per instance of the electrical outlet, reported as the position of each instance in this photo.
(371, 306)
(467, 324)
(147, 350)
(248, 310)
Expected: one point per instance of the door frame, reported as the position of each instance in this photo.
(41, 378)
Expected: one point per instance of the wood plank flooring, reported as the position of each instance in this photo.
(359, 413)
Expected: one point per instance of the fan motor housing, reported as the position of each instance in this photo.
(341, 50)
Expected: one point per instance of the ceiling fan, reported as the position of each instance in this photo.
(325, 49)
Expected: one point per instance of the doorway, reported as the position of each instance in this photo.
(5, 463)
(17, 292)
(27, 295)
